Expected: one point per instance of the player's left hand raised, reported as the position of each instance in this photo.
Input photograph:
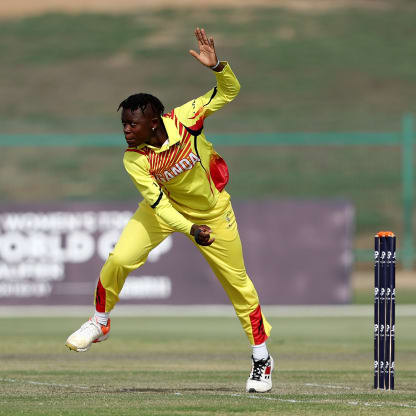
(207, 55)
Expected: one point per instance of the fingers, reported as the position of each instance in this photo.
(194, 54)
(203, 236)
(198, 36)
(210, 241)
(205, 228)
(206, 242)
(202, 38)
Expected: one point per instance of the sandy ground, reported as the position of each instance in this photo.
(31, 7)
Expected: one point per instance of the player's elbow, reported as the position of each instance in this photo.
(236, 88)
(232, 92)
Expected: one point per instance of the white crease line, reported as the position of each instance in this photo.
(249, 396)
(12, 380)
(349, 388)
(355, 403)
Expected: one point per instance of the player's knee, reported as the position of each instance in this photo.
(118, 259)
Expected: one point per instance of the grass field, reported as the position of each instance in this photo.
(329, 70)
(198, 366)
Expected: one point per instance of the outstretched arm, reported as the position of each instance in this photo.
(193, 113)
(207, 55)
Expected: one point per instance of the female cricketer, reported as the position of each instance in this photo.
(182, 181)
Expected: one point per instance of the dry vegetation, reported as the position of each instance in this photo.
(29, 7)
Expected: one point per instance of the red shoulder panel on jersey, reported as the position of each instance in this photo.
(200, 123)
(196, 114)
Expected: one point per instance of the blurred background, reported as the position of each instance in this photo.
(325, 114)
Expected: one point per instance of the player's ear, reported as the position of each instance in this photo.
(154, 122)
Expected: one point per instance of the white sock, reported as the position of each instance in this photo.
(260, 352)
(102, 317)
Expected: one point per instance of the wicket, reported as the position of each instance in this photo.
(384, 309)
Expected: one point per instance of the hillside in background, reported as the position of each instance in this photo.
(337, 70)
(301, 69)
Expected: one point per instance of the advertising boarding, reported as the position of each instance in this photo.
(295, 253)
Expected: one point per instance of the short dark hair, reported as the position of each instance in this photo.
(142, 100)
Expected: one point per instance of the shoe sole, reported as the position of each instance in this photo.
(255, 391)
(74, 348)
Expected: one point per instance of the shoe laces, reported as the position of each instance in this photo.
(258, 368)
(91, 325)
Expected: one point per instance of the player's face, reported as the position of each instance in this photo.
(137, 127)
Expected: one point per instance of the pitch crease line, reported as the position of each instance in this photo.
(351, 403)
(249, 396)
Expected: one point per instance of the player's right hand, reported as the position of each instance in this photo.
(202, 234)
(207, 55)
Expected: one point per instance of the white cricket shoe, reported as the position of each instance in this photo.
(89, 332)
(260, 379)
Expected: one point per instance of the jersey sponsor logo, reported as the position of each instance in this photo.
(181, 166)
(178, 159)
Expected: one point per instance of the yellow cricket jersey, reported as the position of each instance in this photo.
(185, 176)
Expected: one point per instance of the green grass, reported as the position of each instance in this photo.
(347, 69)
(198, 366)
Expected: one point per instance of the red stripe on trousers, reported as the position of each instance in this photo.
(257, 326)
(100, 297)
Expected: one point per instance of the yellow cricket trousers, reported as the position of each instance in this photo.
(145, 231)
